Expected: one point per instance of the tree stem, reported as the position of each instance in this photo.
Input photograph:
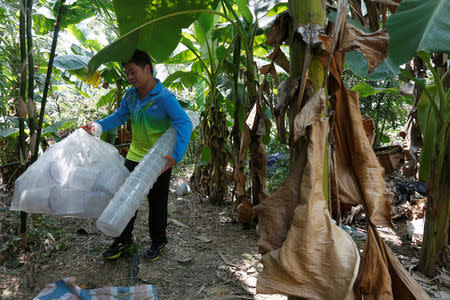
(47, 79)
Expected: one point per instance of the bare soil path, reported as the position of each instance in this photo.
(209, 255)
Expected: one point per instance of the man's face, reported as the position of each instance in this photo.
(136, 75)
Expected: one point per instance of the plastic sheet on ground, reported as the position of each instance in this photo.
(67, 289)
(74, 177)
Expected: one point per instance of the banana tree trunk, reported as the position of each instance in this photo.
(218, 130)
(435, 245)
(303, 12)
(437, 214)
(258, 159)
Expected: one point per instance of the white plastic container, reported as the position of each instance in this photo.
(126, 201)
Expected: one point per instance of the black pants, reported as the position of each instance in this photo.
(157, 213)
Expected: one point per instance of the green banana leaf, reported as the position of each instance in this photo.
(71, 62)
(182, 80)
(158, 38)
(59, 125)
(73, 14)
(8, 132)
(277, 9)
(107, 98)
(183, 57)
(418, 25)
(77, 65)
(357, 63)
(366, 90)
(245, 11)
(79, 35)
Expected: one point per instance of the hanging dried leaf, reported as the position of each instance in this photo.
(326, 40)
(279, 32)
(31, 109)
(377, 283)
(374, 45)
(279, 58)
(264, 87)
(369, 128)
(360, 176)
(33, 141)
(286, 90)
(381, 276)
(245, 212)
(273, 72)
(259, 167)
(276, 212)
(309, 114)
(21, 109)
(255, 119)
(318, 259)
(264, 70)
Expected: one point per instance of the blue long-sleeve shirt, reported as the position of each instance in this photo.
(150, 118)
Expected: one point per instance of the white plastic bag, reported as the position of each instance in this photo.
(75, 177)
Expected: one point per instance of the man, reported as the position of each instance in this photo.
(152, 109)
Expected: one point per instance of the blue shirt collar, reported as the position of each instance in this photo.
(157, 87)
(154, 91)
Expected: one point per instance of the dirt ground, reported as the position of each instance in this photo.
(209, 255)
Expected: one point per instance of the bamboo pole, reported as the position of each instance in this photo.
(21, 107)
(47, 79)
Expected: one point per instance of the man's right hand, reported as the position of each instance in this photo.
(93, 129)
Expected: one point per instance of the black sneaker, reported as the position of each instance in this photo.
(115, 251)
(154, 251)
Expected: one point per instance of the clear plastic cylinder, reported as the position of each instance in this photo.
(126, 200)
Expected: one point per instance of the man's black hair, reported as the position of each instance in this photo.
(140, 58)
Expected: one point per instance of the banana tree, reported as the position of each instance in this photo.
(295, 227)
(252, 119)
(421, 28)
(208, 64)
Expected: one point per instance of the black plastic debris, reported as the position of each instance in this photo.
(408, 188)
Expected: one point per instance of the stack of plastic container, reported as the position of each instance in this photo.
(127, 199)
(75, 177)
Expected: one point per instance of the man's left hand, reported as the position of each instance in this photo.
(170, 163)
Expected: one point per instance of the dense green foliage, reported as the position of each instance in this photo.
(380, 101)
